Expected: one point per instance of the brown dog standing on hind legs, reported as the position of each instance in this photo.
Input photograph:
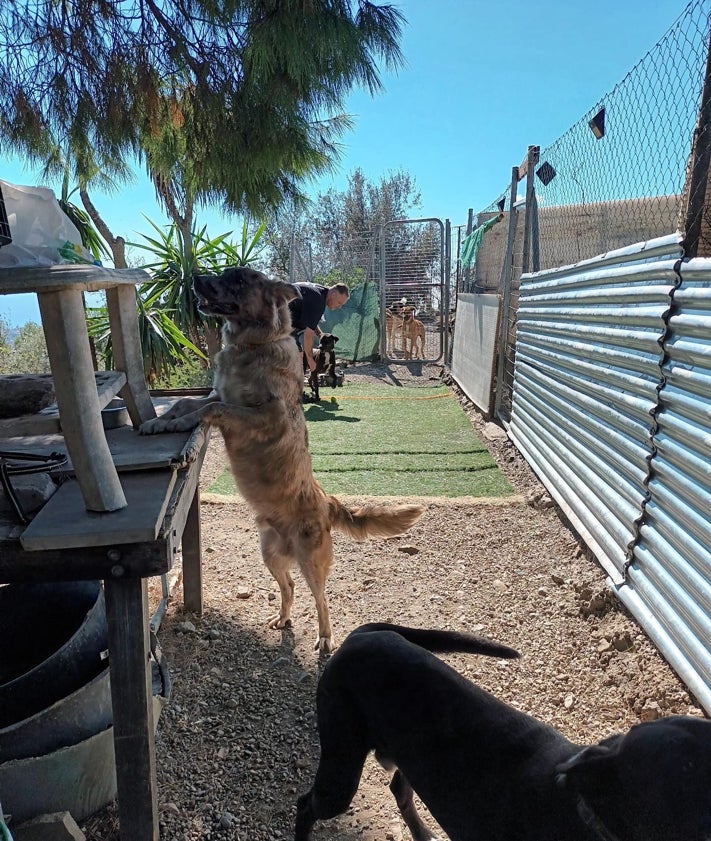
(256, 404)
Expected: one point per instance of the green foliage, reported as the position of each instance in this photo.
(90, 238)
(173, 331)
(239, 102)
(336, 222)
(185, 374)
(172, 272)
(353, 277)
(27, 354)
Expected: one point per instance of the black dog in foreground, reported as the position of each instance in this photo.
(486, 771)
(325, 356)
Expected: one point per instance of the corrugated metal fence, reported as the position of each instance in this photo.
(612, 408)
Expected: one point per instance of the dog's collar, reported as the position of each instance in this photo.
(593, 822)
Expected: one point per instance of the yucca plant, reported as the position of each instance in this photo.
(170, 324)
(163, 345)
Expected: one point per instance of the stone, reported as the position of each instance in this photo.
(25, 394)
(58, 826)
(32, 491)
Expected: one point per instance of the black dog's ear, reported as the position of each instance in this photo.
(592, 769)
(335, 339)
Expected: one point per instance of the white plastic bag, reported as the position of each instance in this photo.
(38, 226)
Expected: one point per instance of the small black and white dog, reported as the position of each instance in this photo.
(486, 771)
(325, 356)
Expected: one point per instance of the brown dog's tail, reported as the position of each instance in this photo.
(373, 520)
(442, 642)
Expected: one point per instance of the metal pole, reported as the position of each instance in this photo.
(468, 272)
(506, 295)
(535, 235)
(380, 233)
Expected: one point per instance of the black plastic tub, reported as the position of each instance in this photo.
(52, 636)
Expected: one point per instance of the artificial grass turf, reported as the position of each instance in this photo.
(384, 440)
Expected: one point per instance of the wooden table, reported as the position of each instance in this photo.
(65, 542)
(129, 504)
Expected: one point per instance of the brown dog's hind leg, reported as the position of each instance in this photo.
(403, 793)
(314, 562)
(278, 562)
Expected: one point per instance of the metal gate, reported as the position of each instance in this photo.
(414, 293)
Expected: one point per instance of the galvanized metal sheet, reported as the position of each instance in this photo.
(612, 409)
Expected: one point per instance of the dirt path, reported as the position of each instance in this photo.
(237, 743)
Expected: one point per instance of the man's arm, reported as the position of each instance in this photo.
(309, 348)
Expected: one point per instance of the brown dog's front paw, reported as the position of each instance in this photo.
(152, 427)
(182, 424)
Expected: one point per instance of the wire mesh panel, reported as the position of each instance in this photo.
(620, 175)
(414, 297)
(354, 259)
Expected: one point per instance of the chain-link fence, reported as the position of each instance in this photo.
(397, 277)
(633, 168)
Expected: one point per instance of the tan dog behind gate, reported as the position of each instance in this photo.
(256, 404)
(393, 327)
(413, 335)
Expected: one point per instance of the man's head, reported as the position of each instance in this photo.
(337, 296)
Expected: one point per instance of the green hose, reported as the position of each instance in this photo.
(4, 831)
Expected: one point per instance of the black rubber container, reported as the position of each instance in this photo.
(52, 636)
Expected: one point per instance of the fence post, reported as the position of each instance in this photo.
(506, 294)
(531, 160)
(445, 305)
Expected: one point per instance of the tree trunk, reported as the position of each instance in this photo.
(116, 244)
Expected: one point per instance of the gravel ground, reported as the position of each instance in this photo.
(237, 742)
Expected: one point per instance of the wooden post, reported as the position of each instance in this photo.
(132, 702)
(67, 341)
(531, 161)
(192, 567)
(506, 294)
(126, 344)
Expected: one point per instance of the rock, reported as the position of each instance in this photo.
(214, 634)
(58, 826)
(185, 628)
(499, 586)
(227, 820)
(408, 549)
(622, 641)
(650, 711)
(569, 702)
(25, 394)
(244, 593)
(32, 491)
(493, 432)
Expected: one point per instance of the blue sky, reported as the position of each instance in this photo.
(483, 81)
